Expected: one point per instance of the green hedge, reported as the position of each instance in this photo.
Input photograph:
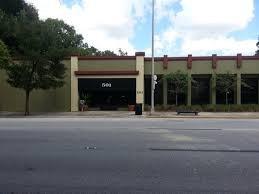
(209, 108)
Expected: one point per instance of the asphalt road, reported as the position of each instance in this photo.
(83, 155)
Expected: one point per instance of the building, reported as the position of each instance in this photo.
(116, 82)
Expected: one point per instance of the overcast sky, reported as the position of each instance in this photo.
(198, 27)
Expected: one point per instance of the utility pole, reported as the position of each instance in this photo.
(153, 61)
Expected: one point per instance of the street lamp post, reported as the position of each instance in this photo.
(153, 60)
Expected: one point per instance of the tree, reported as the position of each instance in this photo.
(257, 44)
(42, 46)
(9, 20)
(11, 10)
(177, 83)
(122, 53)
(85, 50)
(108, 53)
(12, 7)
(225, 83)
(4, 55)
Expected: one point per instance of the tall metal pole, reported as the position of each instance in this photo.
(153, 60)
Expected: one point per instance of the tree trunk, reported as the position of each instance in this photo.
(27, 103)
(176, 99)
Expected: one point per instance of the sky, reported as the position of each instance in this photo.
(182, 27)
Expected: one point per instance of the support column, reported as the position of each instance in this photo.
(140, 78)
(238, 93)
(189, 93)
(165, 89)
(213, 89)
(74, 84)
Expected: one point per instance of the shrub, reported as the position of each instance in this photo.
(209, 108)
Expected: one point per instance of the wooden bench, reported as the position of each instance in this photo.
(187, 111)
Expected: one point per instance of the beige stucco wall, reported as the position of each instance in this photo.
(172, 67)
(250, 67)
(201, 67)
(106, 65)
(205, 67)
(12, 99)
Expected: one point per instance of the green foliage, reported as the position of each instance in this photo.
(122, 53)
(12, 7)
(257, 44)
(7, 29)
(4, 55)
(85, 50)
(225, 83)
(11, 12)
(107, 53)
(42, 46)
(9, 22)
(178, 83)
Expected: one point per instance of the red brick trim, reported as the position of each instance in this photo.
(250, 57)
(93, 73)
(198, 58)
(239, 61)
(226, 58)
(169, 59)
(189, 62)
(214, 61)
(165, 62)
(202, 58)
(93, 58)
(138, 54)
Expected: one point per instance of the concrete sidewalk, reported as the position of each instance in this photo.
(127, 114)
(219, 115)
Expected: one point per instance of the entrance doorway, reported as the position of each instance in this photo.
(108, 94)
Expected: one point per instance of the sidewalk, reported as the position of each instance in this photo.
(127, 114)
(213, 115)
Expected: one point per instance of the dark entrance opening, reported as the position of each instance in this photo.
(108, 94)
(249, 95)
(201, 89)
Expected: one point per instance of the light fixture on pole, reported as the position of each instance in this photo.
(153, 60)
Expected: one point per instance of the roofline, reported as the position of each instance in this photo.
(194, 58)
(203, 58)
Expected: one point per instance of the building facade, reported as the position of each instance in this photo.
(116, 82)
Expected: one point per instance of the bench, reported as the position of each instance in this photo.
(187, 111)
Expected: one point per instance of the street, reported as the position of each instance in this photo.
(129, 155)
